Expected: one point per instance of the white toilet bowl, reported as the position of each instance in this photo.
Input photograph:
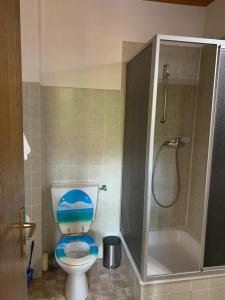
(76, 254)
(76, 283)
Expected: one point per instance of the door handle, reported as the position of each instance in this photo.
(32, 227)
(21, 226)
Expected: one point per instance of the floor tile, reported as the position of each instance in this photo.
(104, 284)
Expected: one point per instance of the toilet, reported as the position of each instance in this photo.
(74, 207)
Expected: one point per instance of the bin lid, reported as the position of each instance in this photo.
(111, 240)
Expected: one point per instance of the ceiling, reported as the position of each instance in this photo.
(186, 2)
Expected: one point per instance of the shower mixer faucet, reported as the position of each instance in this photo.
(175, 142)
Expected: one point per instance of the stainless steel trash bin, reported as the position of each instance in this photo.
(111, 252)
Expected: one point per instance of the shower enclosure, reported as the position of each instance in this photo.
(173, 187)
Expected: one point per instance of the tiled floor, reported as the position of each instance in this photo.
(103, 284)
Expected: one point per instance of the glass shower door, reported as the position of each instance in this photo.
(215, 233)
(134, 157)
(181, 145)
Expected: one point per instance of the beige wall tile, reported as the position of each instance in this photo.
(51, 173)
(35, 126)
(36, 180)
(32, 124)
(113, 97)
(112, 157)
(75, 143)
(52, 127)
(217, 293)
(28, 197)
(26, 126)
(36, 213)
(182, 286)
(200, 295)
(157, 289)
(36, 164)
(49, 93)
(35, 108)
(81, 172)
(66, 157)
(178, 296)
(35, 91)
(51, 156)
(112, 171)
(36, 196)
(36, 145)
(82, 157)
(200, 284)
(113, 142)
(95, 157)
(51, 108)
(27, 164)
(66, 173)
(217, 282)
(96, 142)
(95, 173)
(25, 91)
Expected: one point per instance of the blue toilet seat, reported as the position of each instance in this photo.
(62, 255)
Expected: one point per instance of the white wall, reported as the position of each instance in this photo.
(215, 19)
(29, 10)
(81, 40)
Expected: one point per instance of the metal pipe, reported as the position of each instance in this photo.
(166, 75)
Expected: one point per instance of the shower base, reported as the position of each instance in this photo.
(172, 251)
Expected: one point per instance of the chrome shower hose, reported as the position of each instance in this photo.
(177, 173)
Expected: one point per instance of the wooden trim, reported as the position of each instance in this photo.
(186, 2)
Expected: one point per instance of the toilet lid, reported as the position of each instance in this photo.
(70, 247)
(75, 212)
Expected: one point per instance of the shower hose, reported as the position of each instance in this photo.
(177, 173)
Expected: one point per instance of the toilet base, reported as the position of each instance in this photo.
(76, 287)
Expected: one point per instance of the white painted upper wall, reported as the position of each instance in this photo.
(29, 11)
(81, 40)
(215, 19)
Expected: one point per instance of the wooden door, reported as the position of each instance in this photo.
(12, 266)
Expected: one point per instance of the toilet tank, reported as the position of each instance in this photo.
(74, 206)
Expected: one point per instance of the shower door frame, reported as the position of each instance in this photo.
(156, 41)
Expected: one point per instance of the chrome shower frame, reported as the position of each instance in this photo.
(155, 41)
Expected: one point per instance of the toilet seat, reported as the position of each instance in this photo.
(73, 242)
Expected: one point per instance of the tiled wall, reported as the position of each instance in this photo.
(82, 142)
(181, 105)
(180, 122)
(183, 60)
(32, 126)
(207, 288)
(201, 142)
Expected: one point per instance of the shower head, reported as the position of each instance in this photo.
(166, 70)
